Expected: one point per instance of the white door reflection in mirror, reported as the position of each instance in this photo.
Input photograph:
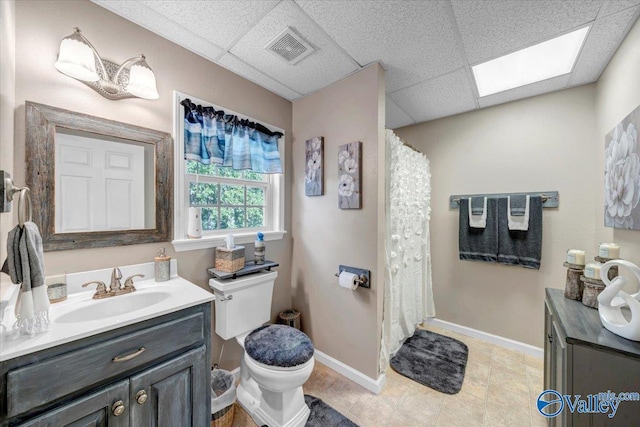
(99, 183)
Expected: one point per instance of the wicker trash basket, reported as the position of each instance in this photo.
(290, 317)
(223, 398)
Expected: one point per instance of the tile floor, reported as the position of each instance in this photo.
(500, 389)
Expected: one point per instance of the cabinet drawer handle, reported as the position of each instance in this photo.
(550, 337)
(141, 397)
(129, 356)
(118, 408)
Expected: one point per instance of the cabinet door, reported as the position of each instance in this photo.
(174, 393)
(96, 410)
(548, 350)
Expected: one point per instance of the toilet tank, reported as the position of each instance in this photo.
(242, 304)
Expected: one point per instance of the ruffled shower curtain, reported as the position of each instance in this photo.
(408, 296)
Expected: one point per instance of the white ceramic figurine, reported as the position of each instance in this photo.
(612, 300)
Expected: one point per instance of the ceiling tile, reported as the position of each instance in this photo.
(613, 6)
(439, 97)
(239, 67)
(220, 22)
(395, 117)
(137, 12)
(493, 28)
(602, 42)
(527, 91)
(414, 40)
(323, 67)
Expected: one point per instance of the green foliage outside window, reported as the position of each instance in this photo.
(225, 205)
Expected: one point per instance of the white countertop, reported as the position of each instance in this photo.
(184, 294)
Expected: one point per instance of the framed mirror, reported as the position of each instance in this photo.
(96, 182)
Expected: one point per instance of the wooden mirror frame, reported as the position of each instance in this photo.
(41, 123)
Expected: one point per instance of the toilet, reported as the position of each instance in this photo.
(277, 359)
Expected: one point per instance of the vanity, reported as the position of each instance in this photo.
(141, 359)
(582, 358)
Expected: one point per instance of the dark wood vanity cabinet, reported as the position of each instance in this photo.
(582, 358)
(96, 381)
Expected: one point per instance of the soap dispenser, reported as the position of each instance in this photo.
(162, 268)
(259, 249)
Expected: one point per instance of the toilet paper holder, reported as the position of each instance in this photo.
(364, 276)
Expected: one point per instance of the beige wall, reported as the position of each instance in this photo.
(40, 27)
(7, 101)
(343, 324)
(536, 144)
(617, 94)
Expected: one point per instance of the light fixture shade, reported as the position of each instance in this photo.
(142, 81)
(76, 59)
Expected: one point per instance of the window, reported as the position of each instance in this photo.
(232, 201)
(229, 199)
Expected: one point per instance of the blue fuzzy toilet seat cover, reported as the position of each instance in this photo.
(279, 345)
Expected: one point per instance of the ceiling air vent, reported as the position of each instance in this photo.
(289, 47)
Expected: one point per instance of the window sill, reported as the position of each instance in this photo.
(182, 245)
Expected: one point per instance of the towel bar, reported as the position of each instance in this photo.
(550, 199)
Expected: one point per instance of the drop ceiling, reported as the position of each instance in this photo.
(426, 47)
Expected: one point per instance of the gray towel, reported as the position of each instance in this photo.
(523, 248)
(477, 205)
(478, 244)
(25, 262)
(518, 204)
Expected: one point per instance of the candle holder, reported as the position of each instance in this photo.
(613, 271)
(592, 288)
(574, 287)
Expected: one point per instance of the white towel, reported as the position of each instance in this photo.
(518, 223)
(478, 221)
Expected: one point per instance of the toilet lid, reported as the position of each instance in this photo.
(279, 345)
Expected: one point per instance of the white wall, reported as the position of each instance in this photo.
(537, 144)
(7, 102)
(617, 94)
(343, 324)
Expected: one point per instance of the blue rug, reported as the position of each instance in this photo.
(433, 360)
(323, 415)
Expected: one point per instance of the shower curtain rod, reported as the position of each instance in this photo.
(405, 143)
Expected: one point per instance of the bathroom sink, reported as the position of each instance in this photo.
(108, 308)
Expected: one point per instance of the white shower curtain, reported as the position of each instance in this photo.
(408, 297)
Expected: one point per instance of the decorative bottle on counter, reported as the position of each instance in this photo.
(260, 249)
(163, 266)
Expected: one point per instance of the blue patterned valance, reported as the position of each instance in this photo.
(213, 137)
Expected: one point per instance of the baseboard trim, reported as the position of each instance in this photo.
(485, 336)
(374, 386)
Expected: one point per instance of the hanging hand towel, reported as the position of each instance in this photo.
(518, 212)
(477, 212)
(25, 259)
(517, 247)
(478, 244)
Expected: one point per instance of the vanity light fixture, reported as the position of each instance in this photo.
(78, 59)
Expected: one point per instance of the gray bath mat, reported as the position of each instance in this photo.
(433, 360)
(323, 415)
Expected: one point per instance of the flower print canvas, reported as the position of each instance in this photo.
(349, 175)
(622, 174)
(313, 184)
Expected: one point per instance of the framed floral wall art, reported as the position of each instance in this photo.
(349, 175)
(622, 174)
(313, 179)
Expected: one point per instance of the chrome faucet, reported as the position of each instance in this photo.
(116, 275)
(116, 287)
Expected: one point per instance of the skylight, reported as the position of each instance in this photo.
(543, 61)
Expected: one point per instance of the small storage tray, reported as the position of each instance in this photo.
(51, 379)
